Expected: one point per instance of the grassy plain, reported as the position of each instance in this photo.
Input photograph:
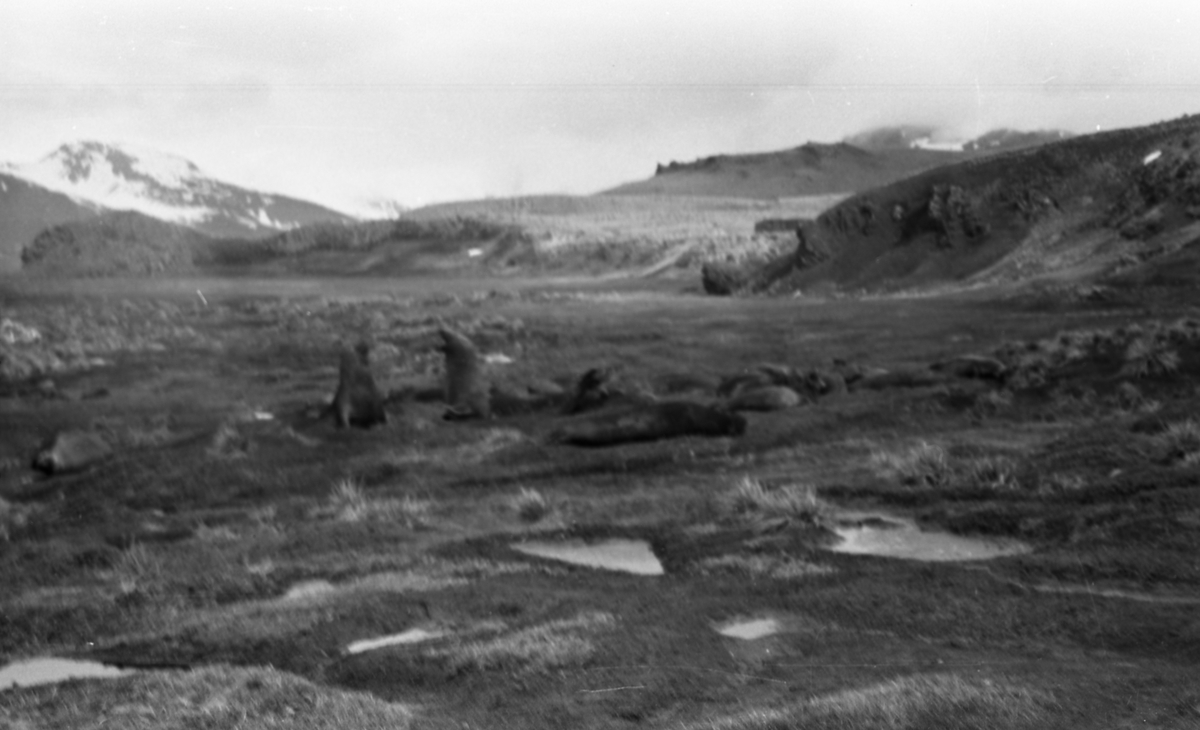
(236, 558)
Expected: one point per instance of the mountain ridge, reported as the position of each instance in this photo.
(82, 180)
(860, 161)
(1081, 209)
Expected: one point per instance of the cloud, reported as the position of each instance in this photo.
(510, 96)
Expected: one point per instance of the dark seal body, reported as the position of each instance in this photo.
(668, 419)
(358, 401)
(467, 394)
(69, 451)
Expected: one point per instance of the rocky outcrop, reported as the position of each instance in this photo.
(777, 225)
(1165, 189)
(810, 248)
(949, 213)
(720, 279)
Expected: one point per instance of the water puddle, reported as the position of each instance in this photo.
(1113, 593)
(895, 538)
(308, 589)
(628, 556)
(750, 629)
(48, 670)
(412, 636)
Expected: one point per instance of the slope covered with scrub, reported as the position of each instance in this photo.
(1077, 209)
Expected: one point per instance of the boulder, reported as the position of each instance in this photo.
(723, 279)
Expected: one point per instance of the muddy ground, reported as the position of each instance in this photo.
(234, 556)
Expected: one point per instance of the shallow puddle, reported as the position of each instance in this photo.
(628, 556)
(1113, 593)
(412, 636)
(893, 538)
(47, 670)
(750, 629)
(308, 589)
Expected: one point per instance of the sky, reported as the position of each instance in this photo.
(422, 102)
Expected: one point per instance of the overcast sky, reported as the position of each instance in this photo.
(431, 101)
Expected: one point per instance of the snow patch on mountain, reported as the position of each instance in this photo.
(119, 177)
(928, 143)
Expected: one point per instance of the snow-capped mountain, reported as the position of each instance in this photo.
(122, 177)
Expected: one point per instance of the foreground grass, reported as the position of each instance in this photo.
(186, 547)
(214, 697)
(920, 702)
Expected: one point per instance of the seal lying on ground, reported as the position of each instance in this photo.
(972, 366)
(650, 422)
(69, 451)
(765, 398)
(358, 401)
(466, 392)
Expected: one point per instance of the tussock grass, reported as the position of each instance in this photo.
(228, 442)
(750, 496)
(992, 472)
(1179, 443)
(13, 517)
(213, 697)
(556, 644)
(348, 503)
(1148, 356)
(921, 702)
(530, 505)
(491, 441)
(922, 465)
(778, 568)
(150, 432)
(137, 570)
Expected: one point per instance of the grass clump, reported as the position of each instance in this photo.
(923, 465)
(1179, 443)
(530, 505)
(562, 643)
(750, 496)
(213, 697)
(137, 570)
(13, 517)
(1149, 356)
(920, 702)
(348, 503)
(992, 472)
(778, 568)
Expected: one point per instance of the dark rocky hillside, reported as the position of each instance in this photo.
(811, 169)
(115, 244)
(1085, 207)
(83, 181)
(865, 160)
(132, 244)
(25, 210)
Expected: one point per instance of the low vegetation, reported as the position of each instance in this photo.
(237, 533)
